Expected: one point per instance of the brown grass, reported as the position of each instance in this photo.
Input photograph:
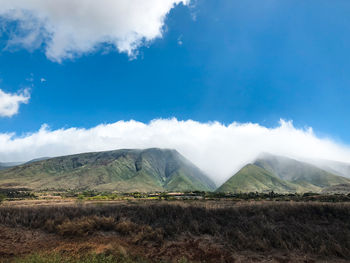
(199, 230)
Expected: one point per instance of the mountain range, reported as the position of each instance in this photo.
(150, 170)
(121, 170)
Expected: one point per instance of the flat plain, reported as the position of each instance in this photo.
(158, 230)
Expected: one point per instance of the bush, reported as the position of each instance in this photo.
(2, 198)
(126, 227)
(147, 233)
(82, 226)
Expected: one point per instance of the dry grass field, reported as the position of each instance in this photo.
(174, 231)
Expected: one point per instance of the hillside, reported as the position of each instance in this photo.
(120, 170)
(252, 178)
(4, 166)
(334, 167)
(337, 189)
(298, 172)
(281, 175)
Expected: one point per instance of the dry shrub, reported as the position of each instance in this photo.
(76, 227)
(104, 223)
(316, 228)
(140, 233)
(84, 226)
(50, 226)
(126, 227)
(148, 234)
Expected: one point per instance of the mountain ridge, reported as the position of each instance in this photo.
(141, 170)
(154, 169)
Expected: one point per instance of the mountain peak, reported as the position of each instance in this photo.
(126, 170)
(281, 174)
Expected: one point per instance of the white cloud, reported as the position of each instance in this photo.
(217, 149)
(9, 103)
(69, 28)
(179, 40)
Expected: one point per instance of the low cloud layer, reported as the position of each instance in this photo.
(69, 28)
(219, 150)
(9, 103)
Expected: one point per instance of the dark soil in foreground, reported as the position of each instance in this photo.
(177, 232)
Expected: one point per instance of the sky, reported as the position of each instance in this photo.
(221, 81)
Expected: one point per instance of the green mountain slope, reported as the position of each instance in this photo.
(281, 175)
(334, 167)
(252, 178)
(298, 172)
(121, 170)
(4, 166)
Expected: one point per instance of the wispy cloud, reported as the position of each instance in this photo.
(70, 28)
(220, 150)
(9, 103)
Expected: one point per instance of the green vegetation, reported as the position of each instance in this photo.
(252, 178)
(93, 195)
(122, 170)
(2, 198)
(16, 194)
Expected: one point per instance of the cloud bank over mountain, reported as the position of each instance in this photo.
(69, 28)
(219, 150)
(9, 103)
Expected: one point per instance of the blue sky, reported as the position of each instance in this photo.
(245, 61)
